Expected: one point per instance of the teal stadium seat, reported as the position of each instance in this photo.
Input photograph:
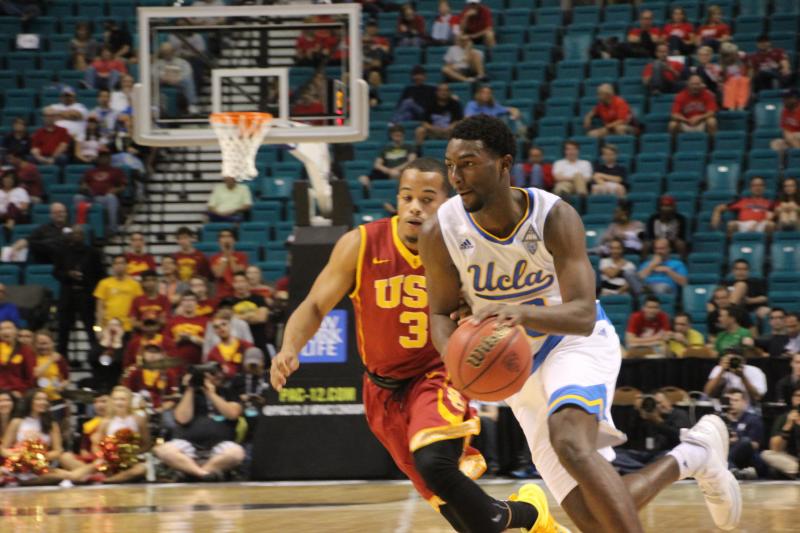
(692, 142)
(708, 242)
(617, 303)
(732, 120)
(695, 297)
(537, 52)
(705, 263)
(785, 256)
(768, 114)
(689, 162)
(549, 16)
(570, 70)
(763, 160)
(656, 143)
(604, 68)
(42, 275)
(576, 46)
(730, 140)
(643, 181)
(722, 177)
(783, 7)
(683, 181)
(9, 274)
(652, 162)
(749, 24)
(601, 204)
(751, 247)
(255, 231)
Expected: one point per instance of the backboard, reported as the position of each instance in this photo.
(209, 58)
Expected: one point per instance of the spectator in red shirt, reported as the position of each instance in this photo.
(153, 383)
(151, 331)
(662, 75)
(694, 109)
(227, 263)
(138, 259)
(105, 70)
(769, 67)
(205, 304)
(714, 32)
(50, 143)
(410, 27)
(229, 351)
(476, 23)
(151, 304)
(790, 122)
(185, 330)
(102, 184)
(28, 176)
(646, 329)
(534, 172)
(753, 212)
(191, 261)
(679, 33)
(17, 361)
(612, 110)
(643, 38)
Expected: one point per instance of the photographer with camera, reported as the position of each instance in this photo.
(656, 431)
(784, 442)
(203, 444)
(732, 372)
(746, 429)
(251, 381)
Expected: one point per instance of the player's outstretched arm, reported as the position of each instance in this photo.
(442, 282)
(332, 284)
(565, 240)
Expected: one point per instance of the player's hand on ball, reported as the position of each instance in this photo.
(283, 365)
(507, 314)
(462, 313)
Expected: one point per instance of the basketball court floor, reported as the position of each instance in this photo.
(330, 507)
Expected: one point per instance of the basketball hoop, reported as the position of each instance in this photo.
(240, 136)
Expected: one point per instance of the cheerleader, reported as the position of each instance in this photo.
(118, 443)
(32, 444)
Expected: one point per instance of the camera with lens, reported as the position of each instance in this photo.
(736, 362)
(198, 373)
(649, 403)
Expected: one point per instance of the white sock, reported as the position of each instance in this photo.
(690, 457)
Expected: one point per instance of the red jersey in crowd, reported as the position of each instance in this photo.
(691, 105)
(157, 307)
(766, 59)
(206, 307)
(178, 328)
(100, 180)
(680, 29)
(481, 20)
(138, 263)
(30, 179)
(229, 356)
(157, 383)
(17, 364)
(225, 281)
(47, 140)
(749, 208)
(616, 109)
(193, 263)
(135, 348)
(669, 75)
(714, 31)
(790, 119)
(654, 31)
(390, 297)
(639, 325)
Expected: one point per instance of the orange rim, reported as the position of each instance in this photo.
(243, 119)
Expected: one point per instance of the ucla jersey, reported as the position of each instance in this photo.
(515, 269)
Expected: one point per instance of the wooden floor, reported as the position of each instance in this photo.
(375, 507)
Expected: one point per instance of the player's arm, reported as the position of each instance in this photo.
(332, 284)
(441, 281)
(565, 240)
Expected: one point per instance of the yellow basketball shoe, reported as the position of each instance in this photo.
(545, 523)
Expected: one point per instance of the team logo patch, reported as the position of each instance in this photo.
(531, 240)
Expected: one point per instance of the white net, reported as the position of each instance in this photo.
(240, 136)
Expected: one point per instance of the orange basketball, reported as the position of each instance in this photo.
(487, 362)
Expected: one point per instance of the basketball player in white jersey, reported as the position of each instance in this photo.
(520, 255)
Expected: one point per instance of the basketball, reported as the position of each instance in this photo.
(487, 362)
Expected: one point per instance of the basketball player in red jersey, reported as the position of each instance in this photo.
(423, 422)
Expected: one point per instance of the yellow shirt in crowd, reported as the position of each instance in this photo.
(118, 295)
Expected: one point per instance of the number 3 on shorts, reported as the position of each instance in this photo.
(417, 322)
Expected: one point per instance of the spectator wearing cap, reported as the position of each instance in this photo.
(153, 383)
(393, 158)
(102, 184)
(662, 75)
(694, 109)
(476, 23)
(416, 98)
(8, 310)
(27, 175)
(70, 114)
(668, 224)
(18, 140)
(612, 110)
(139, 260)
(50, 143)
(410, 27)
(534, 172)
(661, 273)
(769, 67)
(239, 328)
(754, 212)
(572, 174)
(463, 62)
(609, 176)
(230, 201)
(441, 117)
(229, 351)
(790, 122)
(445, 26)
(150, 304)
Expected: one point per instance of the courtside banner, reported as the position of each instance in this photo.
(329, 345)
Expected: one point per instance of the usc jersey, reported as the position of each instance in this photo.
(391, 305)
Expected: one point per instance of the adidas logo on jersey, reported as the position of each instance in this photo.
(466, 244)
